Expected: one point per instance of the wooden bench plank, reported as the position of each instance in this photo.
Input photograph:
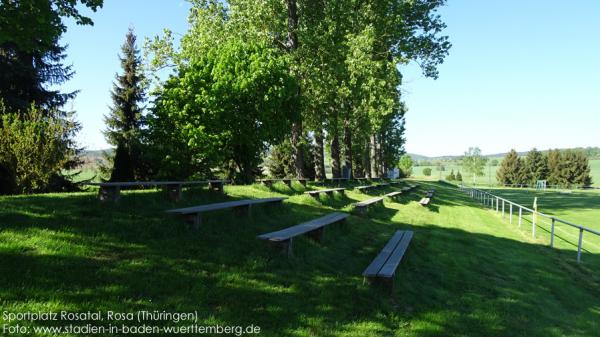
(317, 192)
(152, 183)
(389, 268)
(393, 194)
(377, 263)
(222, 205)
(303, 228)
(368, 202)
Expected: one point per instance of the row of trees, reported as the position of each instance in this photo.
(560, 168)
(298, 79)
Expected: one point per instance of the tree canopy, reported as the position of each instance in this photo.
(341, 63)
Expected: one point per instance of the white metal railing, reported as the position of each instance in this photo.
(493, 201)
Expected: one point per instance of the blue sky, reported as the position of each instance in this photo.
(520, 74)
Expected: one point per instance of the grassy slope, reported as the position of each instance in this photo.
(466, 273)
(580, 207)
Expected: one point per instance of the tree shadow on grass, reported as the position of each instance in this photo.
(282, 188)
(336, 201)
(450, 282)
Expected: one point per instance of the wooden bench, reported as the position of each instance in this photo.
(393, 194)
(364, 188)
(383, 267)
(269, 182)
(363, 206)
(193, 214)
(330, 191)
(428, 196)
(313, 228)
(112, 190)
(370, 187)
(408, 188)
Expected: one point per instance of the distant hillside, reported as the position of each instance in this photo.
(591, 152)
(92, 159)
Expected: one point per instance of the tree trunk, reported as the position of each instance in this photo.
(373, 159)
(357, 165)
(348, 146)
(319, 156)
(367, 159)
(292, 45)
(382, 171)
(297, 154)
(292, 25)
(335, 155)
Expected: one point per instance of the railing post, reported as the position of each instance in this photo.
(497, 209)
(520, 215)
(510, 210)
(579, 245)
(552, 234)
(533, 224)
(502, 208)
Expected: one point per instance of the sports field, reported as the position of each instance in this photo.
(575, 206)
(489, 176)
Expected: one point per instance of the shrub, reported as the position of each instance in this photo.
(427, 172)
(451, 176)
(35, 147)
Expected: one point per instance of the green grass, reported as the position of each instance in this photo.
(579, 207)
(87, 173)
(466, 273)
(488, 177)
(489, 173)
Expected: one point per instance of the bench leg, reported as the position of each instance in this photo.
(285, 247)
(361, 210)
(112, 193)
(385, 282)
(242, 210)
(317, 234)
(174, 192)
(195, 220)
(215, 186)
(288, 182)
(329, 194)
(268, 183)
(303, 182)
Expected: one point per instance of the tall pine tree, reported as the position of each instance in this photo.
(30, 54)
(125, 120)
(511, 170)
(575, 168)
(536, 166)
(555, 171)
